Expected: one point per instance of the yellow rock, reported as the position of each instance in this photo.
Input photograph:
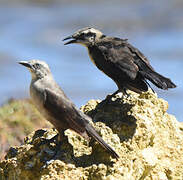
(148, 140)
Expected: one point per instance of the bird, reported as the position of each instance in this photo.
(56, 107)
(120, 61)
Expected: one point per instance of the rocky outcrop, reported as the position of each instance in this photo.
(148, 140)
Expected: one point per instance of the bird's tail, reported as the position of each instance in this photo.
(159, 80)
(91, 131)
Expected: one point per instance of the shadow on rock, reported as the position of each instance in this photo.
(116, 114)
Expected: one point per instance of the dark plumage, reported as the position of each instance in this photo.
(122, 62)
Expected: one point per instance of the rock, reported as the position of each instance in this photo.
(148, 140)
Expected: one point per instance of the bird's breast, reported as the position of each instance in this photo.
(37, 96)
(98, 59)
(91, 57)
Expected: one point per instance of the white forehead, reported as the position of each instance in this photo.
(89, 30)
(36, 61)
(92, 30)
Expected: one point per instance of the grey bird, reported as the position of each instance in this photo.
(54, 105)
(119, 60)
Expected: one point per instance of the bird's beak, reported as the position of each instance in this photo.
(71, 41)
(26, 64)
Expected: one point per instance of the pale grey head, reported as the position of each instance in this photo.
(39, 69)
(86, 36)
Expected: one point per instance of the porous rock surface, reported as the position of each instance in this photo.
(148, 140)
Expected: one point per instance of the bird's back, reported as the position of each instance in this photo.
(113, 57)
(126, 65)
(56, 107)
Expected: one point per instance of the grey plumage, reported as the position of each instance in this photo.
(119, 60)
(54, 105)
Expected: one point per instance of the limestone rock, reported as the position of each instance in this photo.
(148, 140)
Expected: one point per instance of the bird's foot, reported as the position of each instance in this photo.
(125, 93)
(109, 98)
(119, 94)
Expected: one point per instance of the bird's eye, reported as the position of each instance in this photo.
(37, 66)
(89, 34)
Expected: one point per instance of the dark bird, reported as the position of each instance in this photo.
(54, 105)
(119, 60)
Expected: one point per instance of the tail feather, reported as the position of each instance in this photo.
(91, 131)
(159, 80)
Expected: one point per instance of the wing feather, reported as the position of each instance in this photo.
(62, 108)
(116, 53)
(140, 59)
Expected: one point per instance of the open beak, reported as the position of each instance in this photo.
(26, 64)
(73, 40)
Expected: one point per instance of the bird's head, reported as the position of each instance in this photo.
(86, 36)
(39, 69)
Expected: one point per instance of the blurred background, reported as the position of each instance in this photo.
(34, 29)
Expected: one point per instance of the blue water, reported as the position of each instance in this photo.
(34, 31)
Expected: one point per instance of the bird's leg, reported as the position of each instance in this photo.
(123, 90)
(108, 98)
(112, 95)
(59, 136)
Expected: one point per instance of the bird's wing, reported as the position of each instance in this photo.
(116, 53)
(140, 59)
(59, 106)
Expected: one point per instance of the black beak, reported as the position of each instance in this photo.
(25, 63)
(69, 42)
